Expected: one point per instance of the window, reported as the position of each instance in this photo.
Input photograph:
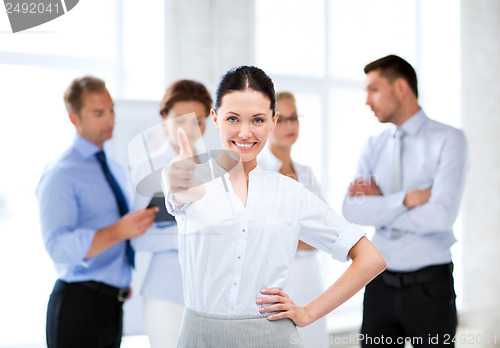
(36, 66)
(298, 38)
(94, 19)
(34, 129)
(361, 31)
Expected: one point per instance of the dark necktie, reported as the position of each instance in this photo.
(120, 199)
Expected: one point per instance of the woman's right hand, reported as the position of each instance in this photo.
(182, 182)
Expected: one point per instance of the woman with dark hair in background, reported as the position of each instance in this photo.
(235, 266)
(162, 288)
(305, 280)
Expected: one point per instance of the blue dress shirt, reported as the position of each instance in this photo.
(433, 155)
(76, 201)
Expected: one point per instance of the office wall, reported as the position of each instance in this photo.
(481, 122)
(206, 38)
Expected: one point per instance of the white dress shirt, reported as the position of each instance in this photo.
(433, 155)
(243, 249)
(306, 268)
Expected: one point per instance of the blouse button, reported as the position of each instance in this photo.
(243, 230)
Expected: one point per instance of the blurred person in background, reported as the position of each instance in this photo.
(162, 288)
(409, 184)
(86, 227)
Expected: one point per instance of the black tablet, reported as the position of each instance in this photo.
(162, 215)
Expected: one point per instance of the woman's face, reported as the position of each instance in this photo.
(244, 120)
(194, 127)
(287, 127)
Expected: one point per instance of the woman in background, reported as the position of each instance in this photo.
(305, 280)
(162, 289)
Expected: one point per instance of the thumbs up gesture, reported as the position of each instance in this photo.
(185, 150)
(179, 177)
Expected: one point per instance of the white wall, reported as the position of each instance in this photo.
(206, 38)
(481, 121)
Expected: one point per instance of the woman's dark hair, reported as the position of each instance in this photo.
(242, 78)
(393, 67)
(185, 90)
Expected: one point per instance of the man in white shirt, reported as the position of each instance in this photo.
(409, 183)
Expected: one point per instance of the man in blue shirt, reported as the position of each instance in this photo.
(409, 184)
(86, 227)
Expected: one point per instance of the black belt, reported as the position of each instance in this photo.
(427, 274)
(120, 294)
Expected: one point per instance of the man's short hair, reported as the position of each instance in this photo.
(73, 96)
(393, 67)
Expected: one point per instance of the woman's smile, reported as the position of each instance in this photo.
(244, 146)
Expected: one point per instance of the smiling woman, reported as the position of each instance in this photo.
(247, 115)
(235, 267)
(244, 129)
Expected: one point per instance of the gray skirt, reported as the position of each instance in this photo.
(201, 330)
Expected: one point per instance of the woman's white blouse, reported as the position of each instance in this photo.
(229, 252)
